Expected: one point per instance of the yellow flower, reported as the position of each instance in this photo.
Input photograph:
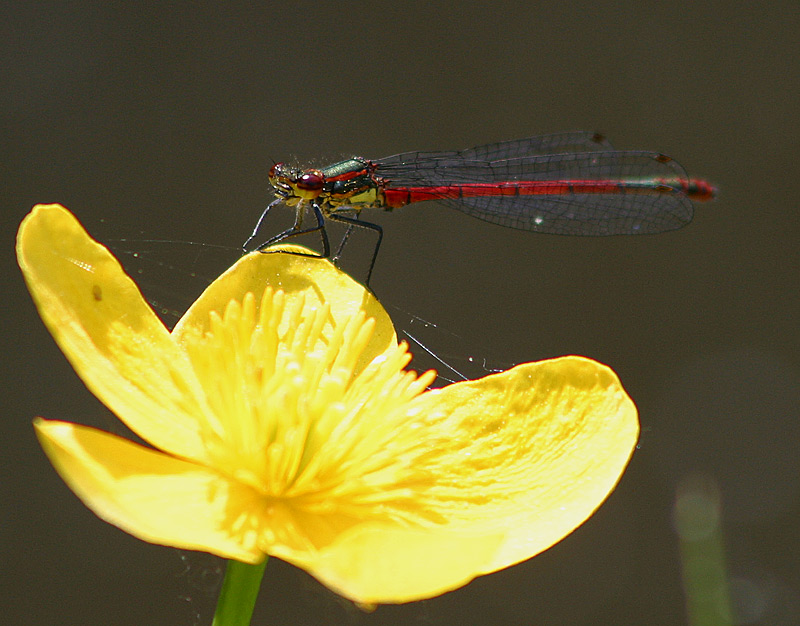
(282, 422)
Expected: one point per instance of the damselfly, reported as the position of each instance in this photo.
(565, 184)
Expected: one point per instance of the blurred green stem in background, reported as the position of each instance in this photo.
(697, 519)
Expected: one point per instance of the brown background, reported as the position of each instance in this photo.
(161, 122)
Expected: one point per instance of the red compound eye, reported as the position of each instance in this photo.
(275, 171)
(310, 180)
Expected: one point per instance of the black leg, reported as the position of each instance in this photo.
(258, 224)
(361, 224)
(294, 231)
(340, 247)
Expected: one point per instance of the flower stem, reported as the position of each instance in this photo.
(239, 592)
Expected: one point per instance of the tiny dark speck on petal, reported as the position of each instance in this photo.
(97, 293)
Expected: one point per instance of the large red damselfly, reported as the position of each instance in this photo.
(565, 184)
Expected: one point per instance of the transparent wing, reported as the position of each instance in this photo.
(639, 191)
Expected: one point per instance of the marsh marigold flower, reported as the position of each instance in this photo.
(282, 422)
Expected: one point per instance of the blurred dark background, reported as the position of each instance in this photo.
(160, 121)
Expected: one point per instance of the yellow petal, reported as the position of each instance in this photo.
(505, 466)
(310, 279)
(377, 568)
(153, 496)
(533, 451)
(113, 339)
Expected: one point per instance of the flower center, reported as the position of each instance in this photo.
(290, 414)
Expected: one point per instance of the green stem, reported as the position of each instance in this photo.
(237, 599)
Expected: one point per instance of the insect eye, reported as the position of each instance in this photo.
(310, 180)
(276, 172)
